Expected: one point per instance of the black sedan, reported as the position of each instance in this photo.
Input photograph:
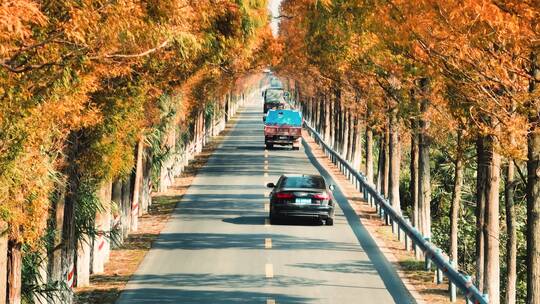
(302, 196)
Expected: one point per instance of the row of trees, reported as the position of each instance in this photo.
(447, 94)
(95, 96)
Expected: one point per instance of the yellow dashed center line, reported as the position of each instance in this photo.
(269, 269)
(267, 207)
(265, 167)
(268, 243)
(267, 222)
(265, 174)
(266, 162)
(266, 194)
(270, 301)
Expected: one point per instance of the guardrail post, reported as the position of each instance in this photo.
(438, 271)
(365, 194)
(453, 291)
(398, 230)
(468, 279)
(427, 258)
(407, 245)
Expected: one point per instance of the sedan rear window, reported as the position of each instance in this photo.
(303, 182)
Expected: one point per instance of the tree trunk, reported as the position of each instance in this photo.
(344, 142)
(380, 166)
(83, 262)
(456, 201)
(55, 255)
(492, 225)
(3, 261)
(533, 189)
(14, 273)
(511, 243)
(369, 155)
(136, 209)
(68, 229)
(147, 181)
(118, 217)
(394, 163)
(413, 185)
(358, 153)
(424, 177)
(101, 244)
(481, 176)
(353, 143)
(386, 167)
(335, 123)
(327, 120)
(321, 107)
(126, 207)
(331, 118)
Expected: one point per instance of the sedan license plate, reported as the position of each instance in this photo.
(303, 201)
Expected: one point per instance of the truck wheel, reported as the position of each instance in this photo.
(296, 148)
(329, 221)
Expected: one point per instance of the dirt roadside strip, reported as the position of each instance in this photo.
(419, 282)
(124, 261)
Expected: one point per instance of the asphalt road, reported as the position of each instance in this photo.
(220, 248)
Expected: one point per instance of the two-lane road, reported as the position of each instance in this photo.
(219, 247)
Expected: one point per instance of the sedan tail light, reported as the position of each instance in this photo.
(283, 195)
(321, 196)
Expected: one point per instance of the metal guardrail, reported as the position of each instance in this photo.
(432, 254)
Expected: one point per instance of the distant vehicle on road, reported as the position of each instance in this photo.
(302, 196)
(276, 83)
(283, 127)
(274, 98)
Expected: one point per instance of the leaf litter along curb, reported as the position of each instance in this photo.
(124, 261)
(409, 270)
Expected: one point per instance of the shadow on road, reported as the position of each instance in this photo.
(202, 241)
(348, 267)
(246, 220)
(165, 295)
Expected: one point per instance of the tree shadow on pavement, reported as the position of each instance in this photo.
(347, 267)
(163, 295)
(202, 241)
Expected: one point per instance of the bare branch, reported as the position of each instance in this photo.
(145, 53)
